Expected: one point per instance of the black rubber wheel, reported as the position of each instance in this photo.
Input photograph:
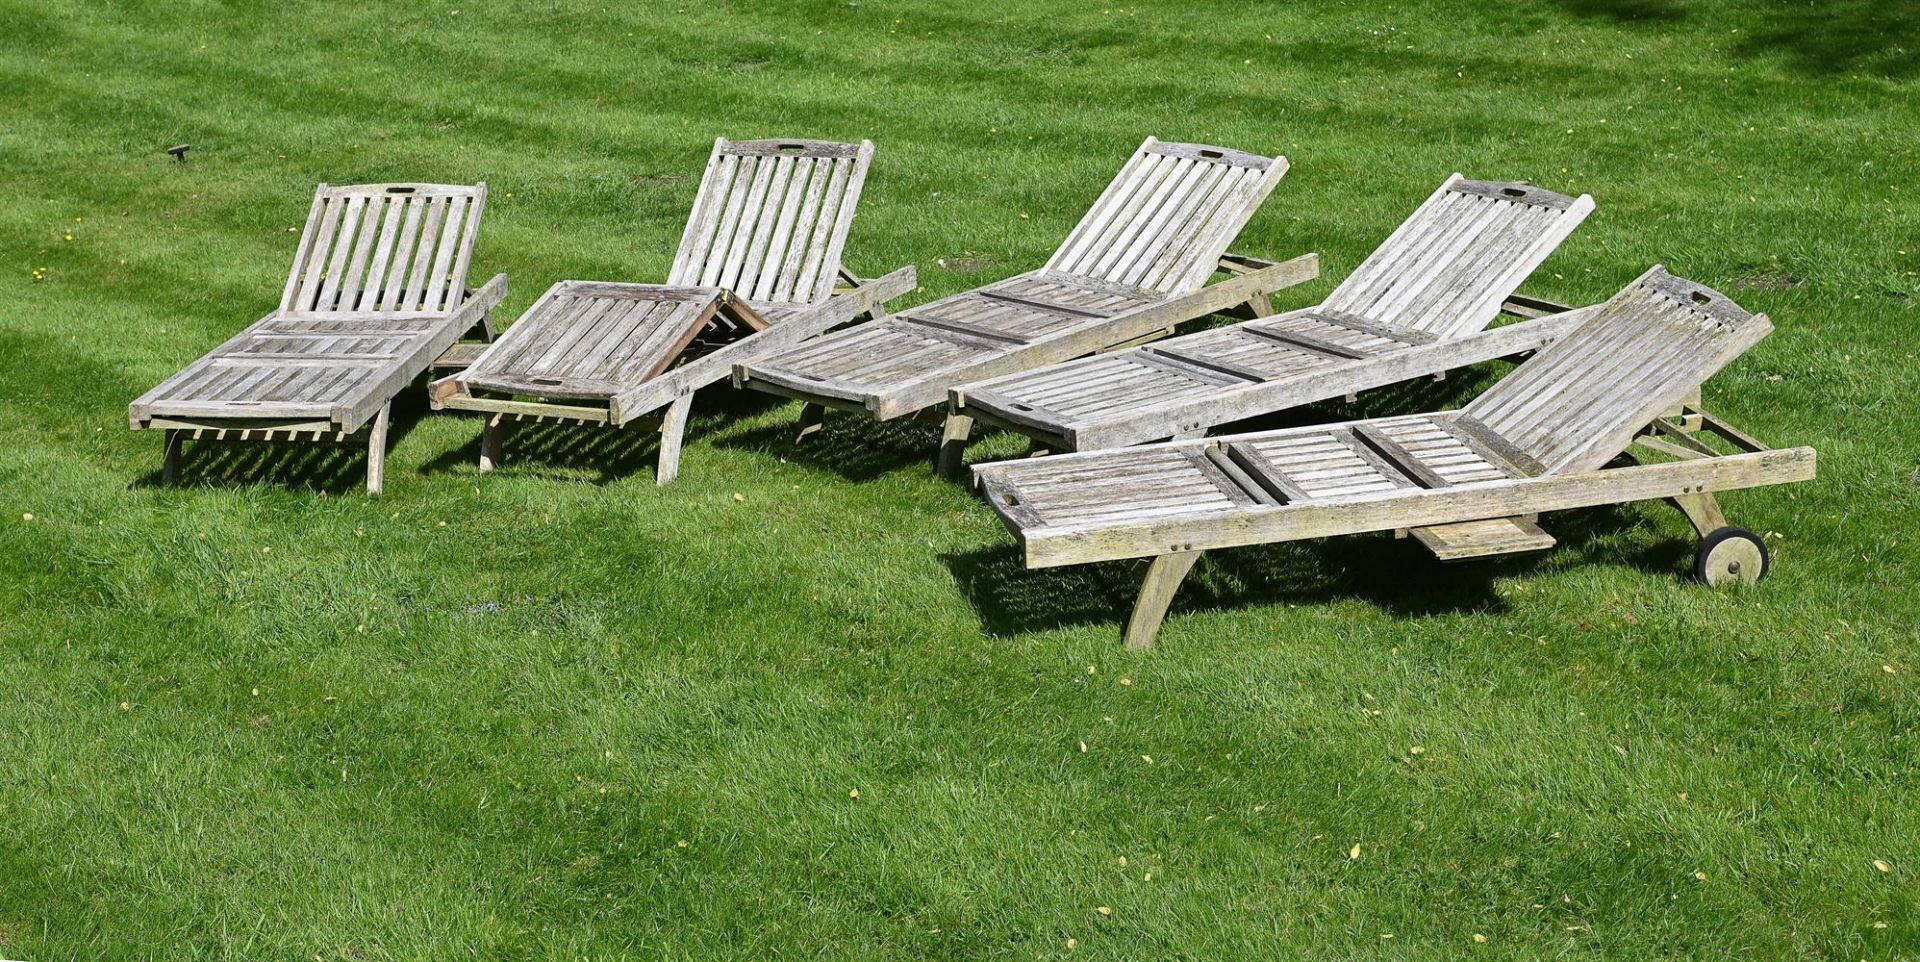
(1731, 555)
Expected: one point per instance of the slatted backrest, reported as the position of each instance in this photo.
(386, 248)
(1448, 267)
(1166, 219)
(772, 218)
(1577, 404)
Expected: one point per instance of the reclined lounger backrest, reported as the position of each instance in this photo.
(385, 249)
(1447, 268)
(772, 217)
(1577, 404)
(1163, 223)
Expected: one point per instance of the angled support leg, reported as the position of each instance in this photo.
(170, 456)
(492, 437)
(811, 415)
(953, 445)
(1703, 511)
(1260, 305)
(1156, 593)
(377, 450)
(672, 430)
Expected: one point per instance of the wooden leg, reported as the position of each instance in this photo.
(492, 438)
(953, 445)
(170, 456)
(811, 415)
(672, 430)
(1156, 593)
(1038, 449)
(1260, 305)
(377, 450)
(1703, 510)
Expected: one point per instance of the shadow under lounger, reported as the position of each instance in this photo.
(1469, 480)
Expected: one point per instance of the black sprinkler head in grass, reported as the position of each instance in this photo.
(179, 151)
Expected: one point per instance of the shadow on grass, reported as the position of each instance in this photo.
(1880, 37)
(851, 445)
(1396, 575)
(1626, 11)
(326, 467)
(603, 454)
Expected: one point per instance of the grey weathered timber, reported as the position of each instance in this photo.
(1135, 268)
(1417, 307)
(756, 273)
(1465, 483)
(377, 292)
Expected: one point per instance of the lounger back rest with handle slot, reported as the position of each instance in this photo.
(385, 249)
(772, 217)
(1446, 269)
(1165, 220)
(1577, 404)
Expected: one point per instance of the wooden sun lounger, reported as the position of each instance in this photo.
(1465, 483)
(756, 273)
(1418, 306)
(377, 292)
(1136, 267)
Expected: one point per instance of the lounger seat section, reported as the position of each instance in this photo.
(1418, 306)
(377, 293)
(1543, 439)
(1135, 268)
(757, 272)
(942, 338)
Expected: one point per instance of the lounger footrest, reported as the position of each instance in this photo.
(1469, 540)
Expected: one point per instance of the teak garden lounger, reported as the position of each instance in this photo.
(377, 292)
(1418, 306)
(1465, 483)
(755, 274)
(1135, 267)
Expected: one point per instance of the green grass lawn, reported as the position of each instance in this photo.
(806, 703)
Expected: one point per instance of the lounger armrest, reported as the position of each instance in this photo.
(1150, 535)
(472, 310)
(1522, 305)
(1232, 263)
(1147, 422)
(1218, 296)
